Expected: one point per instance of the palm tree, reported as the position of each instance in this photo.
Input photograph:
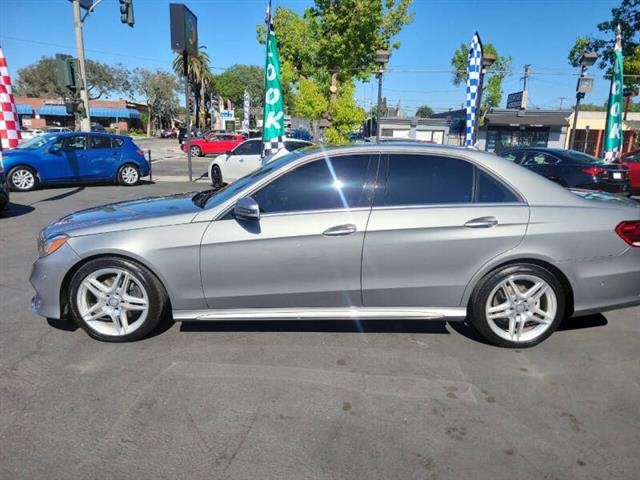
(199, 74)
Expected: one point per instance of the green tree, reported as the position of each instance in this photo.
(310, 103)
(492, 89)
(160, 92)
(627, 15)
(39, 80)
(233, 82)
(199, 77)
(425, 111)
(333, 43)
(345, 113)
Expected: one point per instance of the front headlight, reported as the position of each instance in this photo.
(49, 245)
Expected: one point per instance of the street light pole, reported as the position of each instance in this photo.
(187, 120)
(381, 58)
(85, 121)
(584, 85)
(379, 110)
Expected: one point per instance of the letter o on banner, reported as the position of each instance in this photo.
(615, 88)
(272, 96)
(271, 72)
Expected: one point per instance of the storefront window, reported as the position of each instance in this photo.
(502, 139)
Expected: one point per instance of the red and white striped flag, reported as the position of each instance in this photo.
(9, 123)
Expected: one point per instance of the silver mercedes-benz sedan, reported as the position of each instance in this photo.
(388, 231)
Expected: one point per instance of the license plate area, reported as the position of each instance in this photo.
(617, 175)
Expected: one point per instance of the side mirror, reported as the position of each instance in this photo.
(247, 209)
(54, 149)
(229, 152)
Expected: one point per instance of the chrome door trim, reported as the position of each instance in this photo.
(324, 313)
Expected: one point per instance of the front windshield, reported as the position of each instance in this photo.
(580, 157)
(211, 198)
(36, 142)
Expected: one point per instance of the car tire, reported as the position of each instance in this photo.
(22, 179)
(216, 177)
(196, 151)
(520, 318)
(116, 300)
(129, 175)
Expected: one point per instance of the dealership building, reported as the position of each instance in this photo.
(120, 115)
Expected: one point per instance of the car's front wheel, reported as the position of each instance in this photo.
(116, 300)
(518, 305)
(22, 179)
(128, 175)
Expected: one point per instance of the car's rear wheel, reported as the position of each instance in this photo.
(196, 151)
(519, 305)
(216, 177)
(128, 175)
(116, 300)
(22, 179)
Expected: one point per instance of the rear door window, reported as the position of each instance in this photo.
(490, 190)
(414, 179)
(540, 158)
(515, 157)
(292, 145)
(97, 142)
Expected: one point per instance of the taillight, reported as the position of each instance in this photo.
(630, 232)
(141, 152)
(593, 171)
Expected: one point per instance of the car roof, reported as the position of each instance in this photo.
(103, 134)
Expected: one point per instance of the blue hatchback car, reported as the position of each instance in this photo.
(74, 157)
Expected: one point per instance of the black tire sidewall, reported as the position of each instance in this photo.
(22, 167)
(220, 182)
(489, 282)
(155, 291)
(121, 180)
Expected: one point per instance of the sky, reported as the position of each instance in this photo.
(536, 32)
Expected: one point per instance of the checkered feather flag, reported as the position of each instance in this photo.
(9, 122)
(273, 123)
(474, 65)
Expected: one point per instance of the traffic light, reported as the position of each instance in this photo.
(126, 12)
(65, 71)
(190, 102)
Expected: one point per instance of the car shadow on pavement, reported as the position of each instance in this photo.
(60, 196)
(16, 210)
(338, 326)
(578, 323)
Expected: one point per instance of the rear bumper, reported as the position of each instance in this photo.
(47, 275)
(606, 283)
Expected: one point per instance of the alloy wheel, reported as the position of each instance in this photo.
(23, 179)
(112, 301)
(521, 308)
(129, 175)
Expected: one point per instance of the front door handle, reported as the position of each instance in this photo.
(340, 230)
(482, 222)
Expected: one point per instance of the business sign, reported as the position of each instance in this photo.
(517, 100)
(585, 84)
(184, 29)
(227, 114)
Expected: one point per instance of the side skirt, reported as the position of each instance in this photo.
(324, 313)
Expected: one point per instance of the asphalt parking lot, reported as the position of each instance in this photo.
(301, 400)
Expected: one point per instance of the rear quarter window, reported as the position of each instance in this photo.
(116, 142)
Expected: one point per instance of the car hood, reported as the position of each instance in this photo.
(132, 214)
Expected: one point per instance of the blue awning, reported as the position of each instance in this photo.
(24, 109)
(57, 110)
(110, 112)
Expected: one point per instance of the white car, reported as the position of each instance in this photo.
(28, 133)
(244, 159)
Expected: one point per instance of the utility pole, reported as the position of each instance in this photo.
(525, 78)
(85, 120)
(187, 120)
(562, 99)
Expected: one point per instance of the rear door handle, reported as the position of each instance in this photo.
(482, 222)
(340, 230)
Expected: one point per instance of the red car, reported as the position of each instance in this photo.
(214, 143)
(632, 161)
